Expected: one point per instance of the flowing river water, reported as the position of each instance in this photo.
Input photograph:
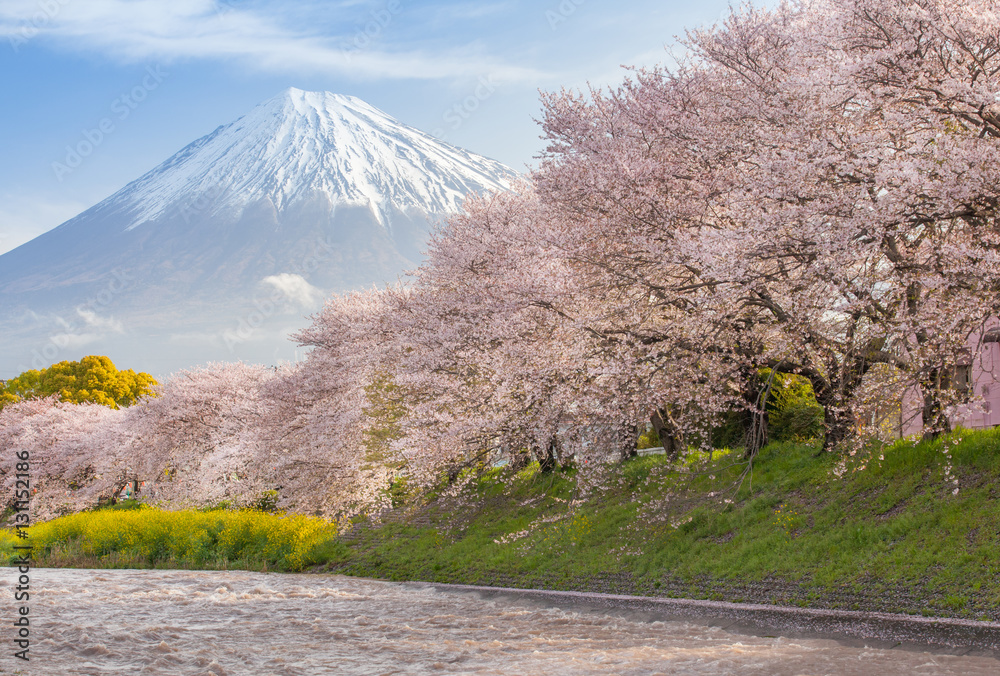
(174, 623)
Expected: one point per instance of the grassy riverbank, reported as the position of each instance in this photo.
(883, 531)
(890, 533)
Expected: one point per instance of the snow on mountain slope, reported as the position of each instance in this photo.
(299, 142)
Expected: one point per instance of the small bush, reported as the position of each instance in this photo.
(267, 502)
(220, 506)
(399, 491)
(793, 412)
(648, 439)
(122, 505)
(728, 433)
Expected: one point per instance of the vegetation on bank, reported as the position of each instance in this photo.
(138, 536)
(885, 529)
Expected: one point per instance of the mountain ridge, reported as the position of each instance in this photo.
(337, 144)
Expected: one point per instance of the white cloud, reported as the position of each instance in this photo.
(94, 321)
(72, 341)
(295, 288)
(141, 30)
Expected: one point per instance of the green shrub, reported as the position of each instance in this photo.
(793, 412)
(267, 502)
(648, 439)
(728, 433)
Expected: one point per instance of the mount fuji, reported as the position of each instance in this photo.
(220, 251)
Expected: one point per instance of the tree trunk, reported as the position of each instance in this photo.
(123, 480)
(755, 422)
(670, 436)
(936, 422)
(547, 459)
(628, 436)
(518, 460)
(839, 424)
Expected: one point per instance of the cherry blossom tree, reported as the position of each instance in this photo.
(791, 193)
(878, 129)
(70, 465)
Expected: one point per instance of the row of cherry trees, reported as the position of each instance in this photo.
(811, 190)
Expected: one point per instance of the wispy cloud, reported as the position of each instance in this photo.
(262, 36)
(87, 328)
(98, 323)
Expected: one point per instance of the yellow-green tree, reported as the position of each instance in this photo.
(92, 379)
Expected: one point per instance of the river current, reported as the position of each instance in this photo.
(175, 623)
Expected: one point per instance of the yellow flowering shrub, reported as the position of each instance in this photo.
(192, 537)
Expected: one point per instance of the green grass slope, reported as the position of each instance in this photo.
(884, 530)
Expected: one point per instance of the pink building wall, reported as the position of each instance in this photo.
(984, 379)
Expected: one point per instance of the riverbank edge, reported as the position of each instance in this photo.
(951, 636)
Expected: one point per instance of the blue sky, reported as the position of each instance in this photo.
(136, 80)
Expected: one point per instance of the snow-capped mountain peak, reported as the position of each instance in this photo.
(301, 143)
